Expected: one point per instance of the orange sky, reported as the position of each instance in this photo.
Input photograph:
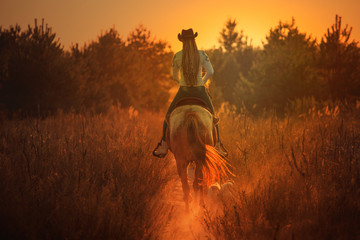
(79, 21)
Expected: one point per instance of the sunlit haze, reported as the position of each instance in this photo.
(82, 21)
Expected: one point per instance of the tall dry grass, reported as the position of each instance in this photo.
(83, 177)
(93, 177)
(297, 177)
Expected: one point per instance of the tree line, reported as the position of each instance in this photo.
(291, 66)
(37, 76)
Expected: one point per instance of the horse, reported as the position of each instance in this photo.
(191, 139)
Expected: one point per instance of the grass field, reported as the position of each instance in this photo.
(83, 176)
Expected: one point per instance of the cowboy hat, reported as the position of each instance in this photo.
(187, 34)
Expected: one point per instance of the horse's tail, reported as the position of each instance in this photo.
(214, 166)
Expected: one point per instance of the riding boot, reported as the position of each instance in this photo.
(221, 149)
(215, 120)
(161, 149)
(219, 146)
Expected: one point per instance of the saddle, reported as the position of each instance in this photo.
(194, 101)
(198, 102)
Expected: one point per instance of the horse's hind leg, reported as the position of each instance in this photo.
(182, 171)
(198, 187)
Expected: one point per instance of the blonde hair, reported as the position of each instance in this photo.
(190, 61)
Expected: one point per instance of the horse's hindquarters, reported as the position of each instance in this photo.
(179, 128)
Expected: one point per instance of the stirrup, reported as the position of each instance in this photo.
(160, 155)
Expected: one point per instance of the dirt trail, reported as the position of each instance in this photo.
(184, 225)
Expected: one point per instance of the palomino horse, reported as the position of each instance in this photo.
(190, 138)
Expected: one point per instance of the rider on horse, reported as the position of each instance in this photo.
(189, 62)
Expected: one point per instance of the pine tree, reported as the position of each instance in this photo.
(229, 37)
(35, 71)
(339, 61)
(235, 61)
(286, 68)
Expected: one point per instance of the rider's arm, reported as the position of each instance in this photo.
(208, 67)
(175, 70)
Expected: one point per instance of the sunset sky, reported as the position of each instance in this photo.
(80, 21)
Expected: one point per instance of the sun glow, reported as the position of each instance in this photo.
(83, 21)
